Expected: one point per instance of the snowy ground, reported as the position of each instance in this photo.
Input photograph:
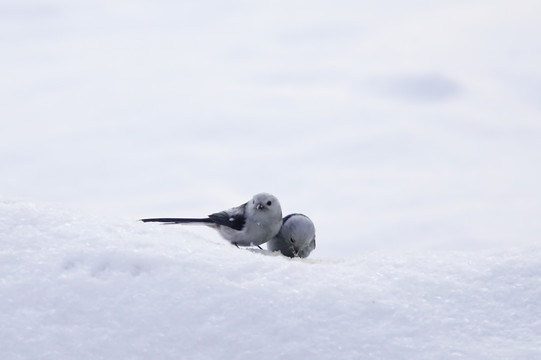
(409, 132)
(80, 288)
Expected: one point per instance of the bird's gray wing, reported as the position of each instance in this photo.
(234, 218)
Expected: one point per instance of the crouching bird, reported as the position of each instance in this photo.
(296, 238)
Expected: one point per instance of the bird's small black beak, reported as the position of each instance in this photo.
(260, 206)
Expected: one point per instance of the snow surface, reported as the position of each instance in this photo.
(73, 287)
(400, 128)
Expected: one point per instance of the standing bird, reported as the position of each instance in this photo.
(297, 237)
(253, 223)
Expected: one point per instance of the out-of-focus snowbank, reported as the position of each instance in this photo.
(417, 121)
(80, 288)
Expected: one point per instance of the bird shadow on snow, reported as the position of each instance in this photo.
(277, 254)
(263, 252)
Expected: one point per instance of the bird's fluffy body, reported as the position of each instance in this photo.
(296, 238)
(252, 223)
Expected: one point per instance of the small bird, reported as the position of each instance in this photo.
(250, 224)
(296, 238)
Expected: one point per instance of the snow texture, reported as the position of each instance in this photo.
(73, 287)
(408, 132)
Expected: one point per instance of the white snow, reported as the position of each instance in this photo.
(409, 132)
(73, 287)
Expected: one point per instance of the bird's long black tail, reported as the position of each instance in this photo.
(205, 221)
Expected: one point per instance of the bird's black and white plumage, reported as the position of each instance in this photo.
(252, 223)
(296, 238)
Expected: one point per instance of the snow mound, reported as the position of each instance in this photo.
(78, 288)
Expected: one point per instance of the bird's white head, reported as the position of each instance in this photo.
(266, 203)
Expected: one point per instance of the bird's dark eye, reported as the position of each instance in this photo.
(269, 203)
(292, 240)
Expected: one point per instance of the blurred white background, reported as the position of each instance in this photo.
(395, 126)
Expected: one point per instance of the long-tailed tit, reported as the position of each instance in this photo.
(252, 223)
